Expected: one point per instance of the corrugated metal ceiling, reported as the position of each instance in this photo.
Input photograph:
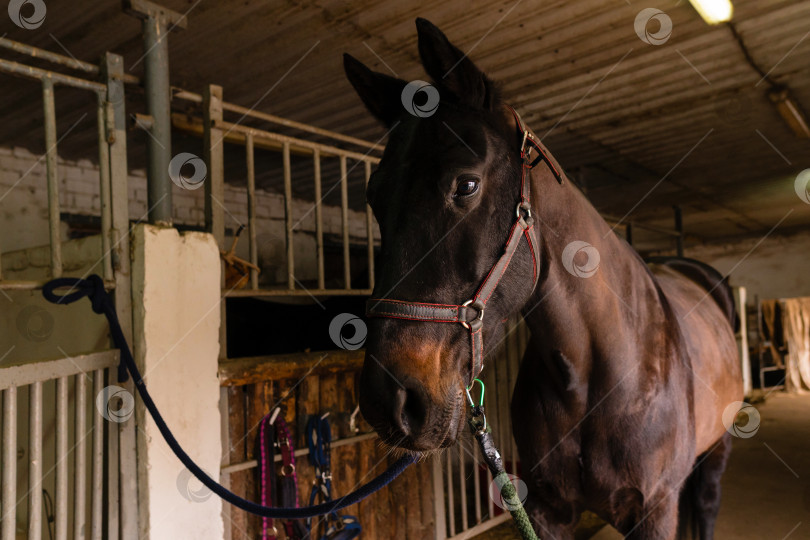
(641, 127)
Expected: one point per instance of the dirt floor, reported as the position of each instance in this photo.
(766, 488)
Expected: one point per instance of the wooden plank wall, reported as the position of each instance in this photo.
(402, 510)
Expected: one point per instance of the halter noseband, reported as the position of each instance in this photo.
(470, 314)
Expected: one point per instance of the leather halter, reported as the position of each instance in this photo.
(470, 314)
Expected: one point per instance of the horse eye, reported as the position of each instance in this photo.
(466, 185)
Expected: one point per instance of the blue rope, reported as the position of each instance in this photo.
(93, 288)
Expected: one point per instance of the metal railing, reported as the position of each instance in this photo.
(23, 381)
(216, 131)
(23, 387)
(463, 502)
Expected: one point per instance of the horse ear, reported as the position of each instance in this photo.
(381, 94)
(452, 70)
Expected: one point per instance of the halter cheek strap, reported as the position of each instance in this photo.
(470, 314)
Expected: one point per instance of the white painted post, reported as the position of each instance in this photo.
(176, 316)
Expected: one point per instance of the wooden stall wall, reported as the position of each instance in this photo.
(316, 384)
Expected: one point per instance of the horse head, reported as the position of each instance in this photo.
(445, 196)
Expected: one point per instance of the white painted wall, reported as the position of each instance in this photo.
(176, 300)
(776, 267)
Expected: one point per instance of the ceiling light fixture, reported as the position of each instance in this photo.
(790, 111)
(714, 11)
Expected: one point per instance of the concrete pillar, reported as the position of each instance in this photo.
(176, 301)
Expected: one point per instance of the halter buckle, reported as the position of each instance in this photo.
(525, 152)
(475, 324)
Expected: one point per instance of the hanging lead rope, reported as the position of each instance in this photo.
(483, 434)
(93, 288)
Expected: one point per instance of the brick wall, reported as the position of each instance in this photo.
(24, 211)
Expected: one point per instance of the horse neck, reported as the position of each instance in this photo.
(594, 317)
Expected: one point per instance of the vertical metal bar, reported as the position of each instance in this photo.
(35, 461)
(9, 496)
(679, 228)
(158, 105)
(113, 473)
(49, 109)
(344, 224)
(214, 144)
(511, 377)
(96, 505)
(476, 484)
(369, 233)
(440, 532)
(316, 164)
(80, 457)
(61, 496)
(288, 218)
(104, 186)
(490, 505)
(213, 141)
(122, 518)
(251, 193)
(451, 503)
(463, 479)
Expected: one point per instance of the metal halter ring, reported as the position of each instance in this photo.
(480, 315)
(524, 214)
(287, 470)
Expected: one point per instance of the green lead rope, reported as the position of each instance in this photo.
(483, 434)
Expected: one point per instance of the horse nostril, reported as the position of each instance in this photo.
(409, 410)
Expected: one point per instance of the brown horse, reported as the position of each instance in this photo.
(618, 402)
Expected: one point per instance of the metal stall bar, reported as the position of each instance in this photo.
(104, 185)
(251, 195)
(61, 496)
(316, 164)
(15, 68)
(56, 58)
(35, 461)
(301, 145)
(9, 495)
(288, 218)
(440, 532)
(344, 223)
(122, 507)
(215, 162)
(369, 230)
(451, 507)
(97, 500)
(476, 484)
(179, 93)
(80, 456)
(462, 476)
(54, 220)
